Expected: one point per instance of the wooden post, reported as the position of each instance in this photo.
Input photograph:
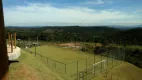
(15, 40)
(3, 48)
(8, 38)
(11, 41)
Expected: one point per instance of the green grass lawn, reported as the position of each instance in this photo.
(125, 71)
(67, 56)
(30, 67)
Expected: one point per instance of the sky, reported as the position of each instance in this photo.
(72, 12)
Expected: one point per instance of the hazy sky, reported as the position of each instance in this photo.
(72, 12)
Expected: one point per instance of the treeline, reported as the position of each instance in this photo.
(130, 37)
(101, 34)
(64, 34)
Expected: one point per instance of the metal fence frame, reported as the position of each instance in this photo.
(85, 73)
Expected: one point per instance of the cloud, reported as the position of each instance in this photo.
(35, 14)
(94, 2)
(98, 2)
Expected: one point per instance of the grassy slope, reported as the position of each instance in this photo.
(126, 71)
(60, 54)
(66, 55)
(30, 68)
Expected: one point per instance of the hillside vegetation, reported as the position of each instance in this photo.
(100, 34)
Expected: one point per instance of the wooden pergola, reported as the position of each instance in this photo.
(3, 49)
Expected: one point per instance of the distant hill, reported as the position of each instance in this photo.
(66, 32)
(76, 29)
(132, 36)
(78, 33)
(132, 32)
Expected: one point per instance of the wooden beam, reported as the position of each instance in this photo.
(15, 40)
(8, 38)
(11, 42)
(3, 48)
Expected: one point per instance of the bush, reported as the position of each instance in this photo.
(134, 56)
(99, 50)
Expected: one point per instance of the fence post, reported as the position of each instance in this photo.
(107, 64)
(47, 60)
(94, 58)
(86, 68)
(124, 57)
(77, 70)
(117, 58)
(94, 71)
(112, 60)
(101, 63)
(55, 64)
(35, 50)
(65, 68)
(121, 59)
(107, 58)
